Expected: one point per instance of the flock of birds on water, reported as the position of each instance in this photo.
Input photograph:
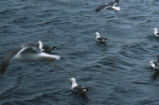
(37, 51)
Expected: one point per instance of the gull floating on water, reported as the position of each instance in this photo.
(155, 64)
(111, 5)
(155, 67)
(99, 38)
(27, 52)
(155, 32)
(79, 90)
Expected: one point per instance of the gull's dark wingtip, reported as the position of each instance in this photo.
(6, 60)
(116, 1)
(97, 10)
(2, 72)
(3, 68)
(155, 75)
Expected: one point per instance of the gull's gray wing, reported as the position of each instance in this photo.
(29, 50)
(99, 8)
(8, 57)
(6, 60)
(110, 4)
(30, 45)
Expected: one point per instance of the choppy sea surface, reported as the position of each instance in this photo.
(116, 73)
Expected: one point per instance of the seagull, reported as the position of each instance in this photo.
(155, 64)
(79, 90)
(27, 52)
(99, 38)
(155, 32)
(111, 5)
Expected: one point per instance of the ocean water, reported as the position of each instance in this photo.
(116, 73)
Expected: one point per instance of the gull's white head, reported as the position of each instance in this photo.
(74, 84)
(155, 31)
(150, 62)
(97, 34)
(40, 45)
(72, 79)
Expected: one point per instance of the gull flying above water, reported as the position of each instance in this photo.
(27, 52)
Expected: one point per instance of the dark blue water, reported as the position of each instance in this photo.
(116, 73)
